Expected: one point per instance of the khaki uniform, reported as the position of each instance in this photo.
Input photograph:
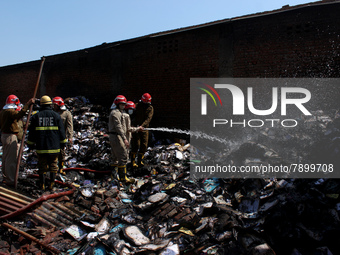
(127, 126)
(9, 131)
(117, 132)
(142, 117)
(67, 120)
(21, 125)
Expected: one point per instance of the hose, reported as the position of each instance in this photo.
(86, 170)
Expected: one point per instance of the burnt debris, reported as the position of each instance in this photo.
(167, 212)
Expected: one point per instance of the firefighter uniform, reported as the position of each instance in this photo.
(10, 129)
(127, 126)
(118, 140)
(67, 118)
(117, 133)
(47, 132)
(142, 117)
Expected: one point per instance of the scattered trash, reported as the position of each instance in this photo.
(167, 212)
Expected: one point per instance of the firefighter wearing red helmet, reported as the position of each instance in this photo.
(139, 142)
(12, 102)
(67, 118)
(9, 117)
(118, 140)
(130, 107)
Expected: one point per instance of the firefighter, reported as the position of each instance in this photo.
(9, 117)
(130, 107)
(142, 117)
(47, 133)
(118, 139)
(67, 118)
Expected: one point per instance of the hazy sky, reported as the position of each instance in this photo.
(36, 28)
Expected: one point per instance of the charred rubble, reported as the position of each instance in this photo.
(166, 211)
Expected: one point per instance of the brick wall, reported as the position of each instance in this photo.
(297, 43)
(301, 42)
(19, 80)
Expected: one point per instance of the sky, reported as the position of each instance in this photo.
(37, 28)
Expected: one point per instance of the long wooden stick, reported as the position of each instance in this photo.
(26, 126)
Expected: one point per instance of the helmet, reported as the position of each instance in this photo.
(60, 102)
(45, 100)
(130, 105)
(120, 100)
(146, 98)
(12, 102)
(12, 99)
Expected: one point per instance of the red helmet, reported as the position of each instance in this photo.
(120, 100)
(60, 102)
(130, 105)
(146, 98)
(12, 99)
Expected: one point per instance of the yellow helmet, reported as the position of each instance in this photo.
(45, 100)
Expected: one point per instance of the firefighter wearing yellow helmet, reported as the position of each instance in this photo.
(47, 133)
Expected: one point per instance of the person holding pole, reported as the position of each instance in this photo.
(10, 129)
(21, 148)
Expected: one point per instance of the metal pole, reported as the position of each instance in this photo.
(26, 126)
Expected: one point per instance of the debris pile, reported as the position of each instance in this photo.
(167, 212)
(91, 146)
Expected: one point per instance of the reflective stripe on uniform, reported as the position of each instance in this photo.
(63, 141)
(47, 128)
(48, 151)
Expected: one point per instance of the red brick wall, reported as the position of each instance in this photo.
(19, 80)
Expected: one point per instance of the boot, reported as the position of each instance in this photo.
(133, 160)
(52, 183)
(122, 175)
(61, 166)
(140, 159)
(128, 180)
(114, 172)
(42, 179)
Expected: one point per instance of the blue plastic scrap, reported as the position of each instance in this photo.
(117, 228)
(99, 250)
(211, 184)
